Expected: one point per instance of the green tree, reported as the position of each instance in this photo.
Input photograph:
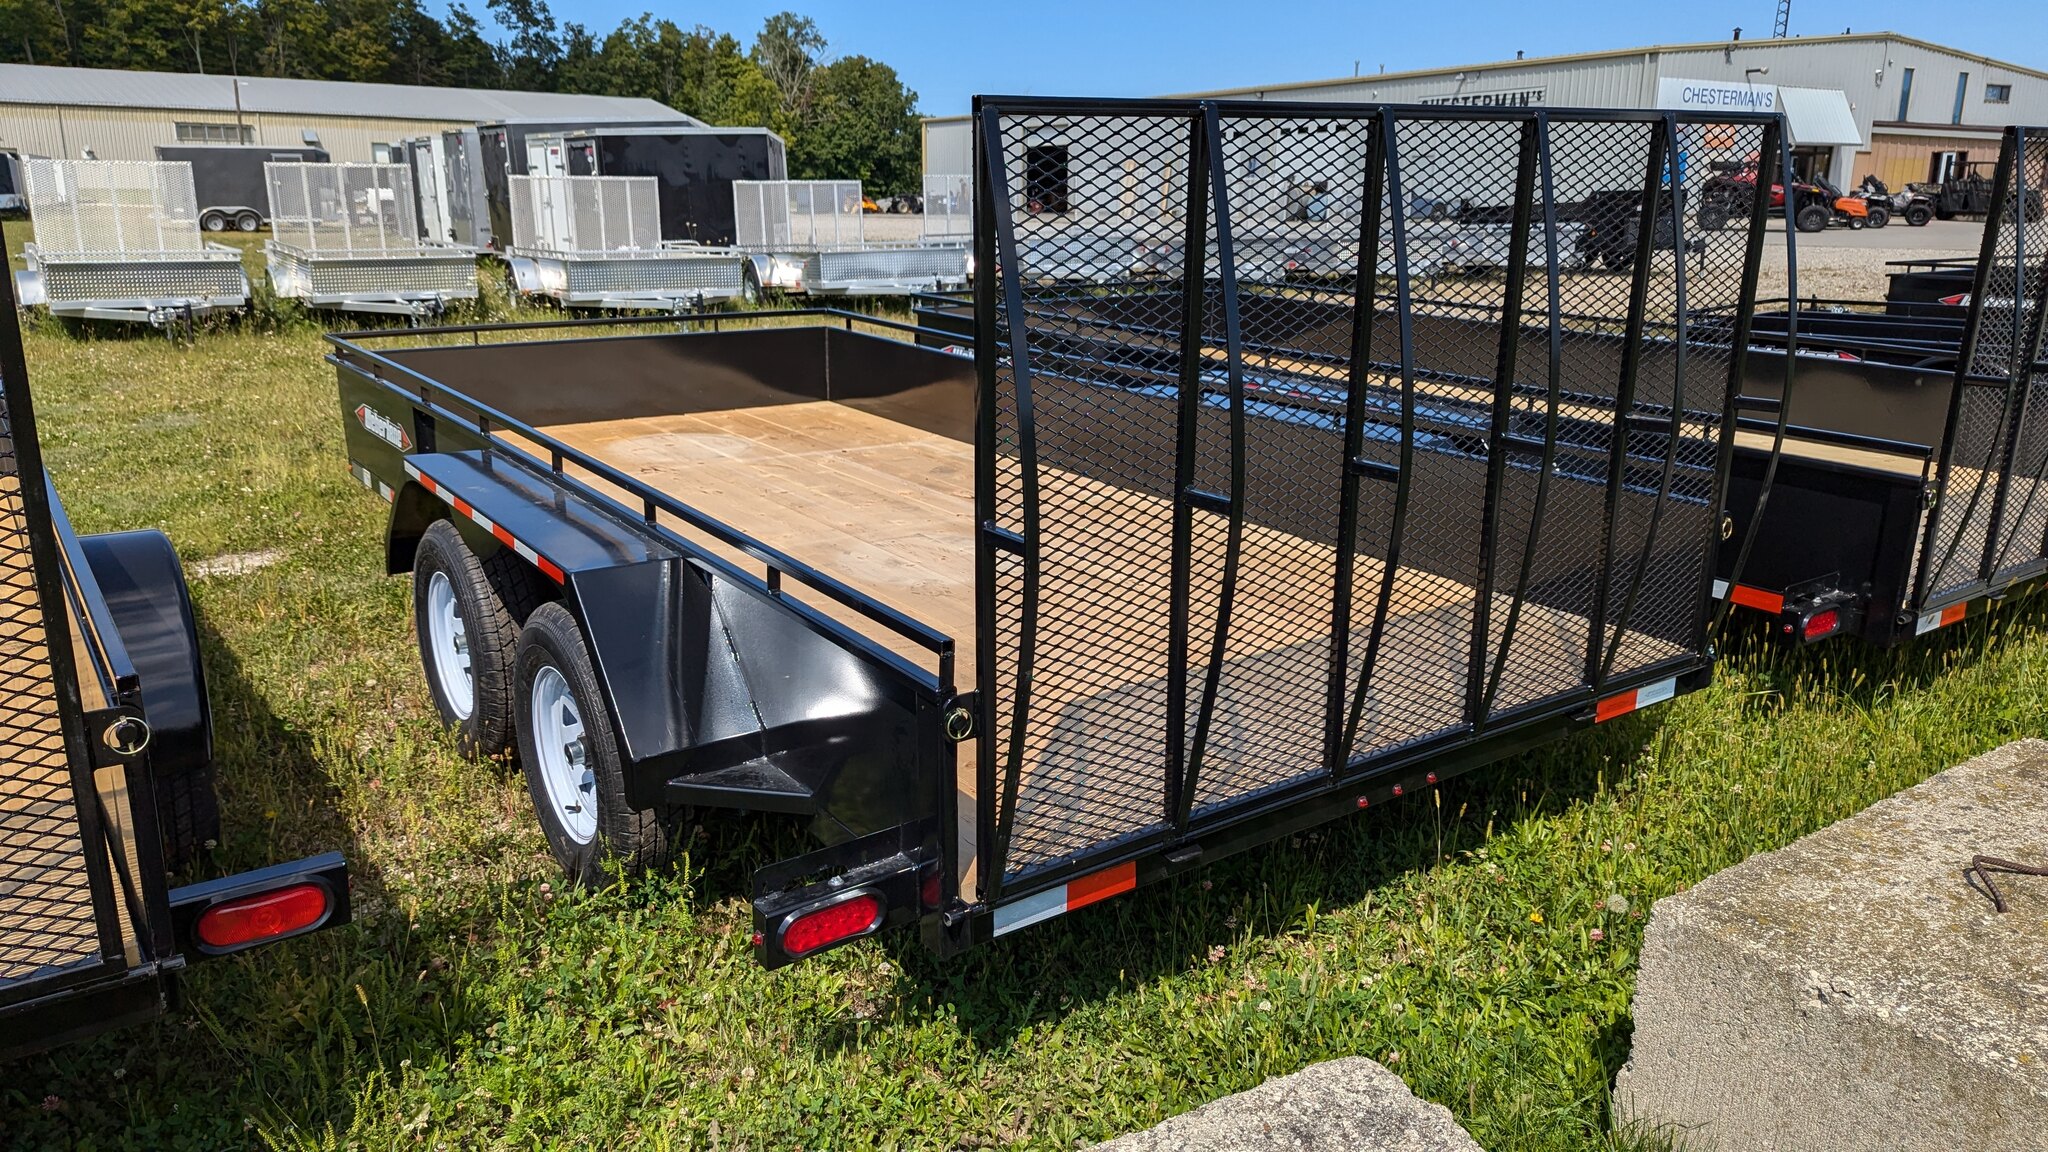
(34, 29)
(862, 124)
(787, 51)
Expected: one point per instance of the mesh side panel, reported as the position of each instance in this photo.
(46, 908)
(886, 264)
(343, 209)
(948, 210)
(109, 280)
(798, 215)
(1178, 635)
(112, 208)
(1988, 452)
(585, 214)
(299, 275)
(670, 272)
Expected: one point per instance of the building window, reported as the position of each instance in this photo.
(193, 133)
(1045, 178)
(1998, 93)
(1905, 95)
(1962, 90)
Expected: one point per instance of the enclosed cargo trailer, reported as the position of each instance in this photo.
(694, 170)
(1912, 492)
(503, 151)
(1174, 566)
(106, 769)
(120, 240)
(227, 180)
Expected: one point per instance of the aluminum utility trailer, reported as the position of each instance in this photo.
(807, 236)
(1168, 569)
(1912, 491)
(346, 237)
(106, 769)
(120, 240)
(595, 242)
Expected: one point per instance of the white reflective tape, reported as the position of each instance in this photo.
(1030, 910)
(1662, 690)
(531, 556)
(1720, 589)
(411, 471)
(482, 522)
(1927, 622)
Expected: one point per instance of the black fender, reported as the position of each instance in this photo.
(144, 587)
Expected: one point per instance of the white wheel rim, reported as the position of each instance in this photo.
(563, 755)
(448, 640)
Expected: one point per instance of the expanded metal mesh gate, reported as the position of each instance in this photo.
(1261, 517)
(797, 215)
(110, 209)
(586, 215)
(343, 209)
(1990, 523)
(948, 210)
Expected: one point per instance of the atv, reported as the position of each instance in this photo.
(1911, 204)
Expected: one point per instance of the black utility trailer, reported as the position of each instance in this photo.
(695, 168)
(228, 181)
(1175, 565)
(1912, 491)
(106, 768)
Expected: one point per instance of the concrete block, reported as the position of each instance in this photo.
(1851, 993)
(1352, 1104)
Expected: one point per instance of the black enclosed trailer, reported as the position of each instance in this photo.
(106, 769)
(696, 168)
(1912, 491)
(227, 180)
(506, 148)
(1173, 566)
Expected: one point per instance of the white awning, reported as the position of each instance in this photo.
(1819, 116)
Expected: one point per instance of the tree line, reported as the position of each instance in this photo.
(843, 117)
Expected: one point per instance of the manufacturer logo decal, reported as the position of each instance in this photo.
(383, 428)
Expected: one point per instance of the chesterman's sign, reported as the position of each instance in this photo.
(1518, 98)
(1715, 96)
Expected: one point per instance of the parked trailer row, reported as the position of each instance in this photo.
(1159, 575)
(106, 769)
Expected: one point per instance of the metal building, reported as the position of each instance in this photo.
(1903, 109)
(78, 113)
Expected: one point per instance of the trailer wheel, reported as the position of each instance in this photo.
(573, 771)
(1918, 215)
(247, 221)
(214, 221)
(467, 613)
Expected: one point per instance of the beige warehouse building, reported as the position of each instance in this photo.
(1871, 103)
(65, 113)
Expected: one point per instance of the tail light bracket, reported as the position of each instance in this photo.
(327, 871)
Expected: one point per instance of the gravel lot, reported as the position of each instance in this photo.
(1840, 264)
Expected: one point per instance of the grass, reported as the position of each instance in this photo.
(476, 1004)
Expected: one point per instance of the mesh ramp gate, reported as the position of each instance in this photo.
(1258, 522)
(608, 216)
(123, 236)
(1989, 526)
(798, 215)
(348, 235)
(948, 210)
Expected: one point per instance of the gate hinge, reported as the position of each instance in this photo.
(960, 720)
(115, 735)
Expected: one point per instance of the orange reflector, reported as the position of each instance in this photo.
(1102, 885)
(1823, 624)
(832, 924)
(265, 916)
(1757, 598)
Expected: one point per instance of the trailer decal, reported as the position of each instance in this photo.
(1628, 702)
(547, 567)
(1067, 897)
(1942, 618)
(383, 427)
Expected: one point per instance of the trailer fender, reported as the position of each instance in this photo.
(144, 587)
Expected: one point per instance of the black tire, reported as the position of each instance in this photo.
(246, 221)
(1943, 214)
(1713, 217)
(1917, 215)
(1812, 218)
(492, 597)
(1879, 216)
(214, 221)
(636, 839)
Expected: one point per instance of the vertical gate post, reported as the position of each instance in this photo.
(1193, 318)
(1365, 307)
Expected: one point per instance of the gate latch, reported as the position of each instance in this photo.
(958, 722)
(118, 735)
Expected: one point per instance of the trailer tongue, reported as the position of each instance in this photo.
(1189, 556)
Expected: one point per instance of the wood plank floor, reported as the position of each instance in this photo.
(889, 509)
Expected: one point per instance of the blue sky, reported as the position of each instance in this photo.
(947, 50)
